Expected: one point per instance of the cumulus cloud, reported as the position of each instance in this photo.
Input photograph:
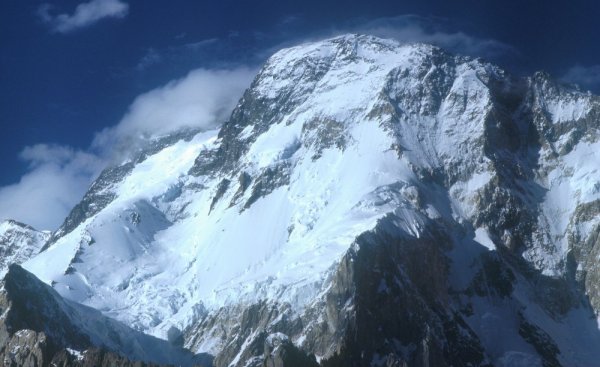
(585, 76)
(202, 100)
(57, 179)
(58, 176)
(85, 14)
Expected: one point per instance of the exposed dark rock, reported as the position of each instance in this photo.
(494, 278)
(37, 327)
(281, 352)
(221, 190)
(270, 179)
(95, 357)
(324, 133)
(542, 343)
(399, 298)
(244, 181)
(26, 348)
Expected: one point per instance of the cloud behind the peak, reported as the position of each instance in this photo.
(57, 179)
(203, 99)
(85, 14)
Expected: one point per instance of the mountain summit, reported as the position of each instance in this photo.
(368, 203)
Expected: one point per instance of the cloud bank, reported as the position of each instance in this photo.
(85, 15)
(59, 176)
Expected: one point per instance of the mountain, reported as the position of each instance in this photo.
(367, 203)
(18, 243)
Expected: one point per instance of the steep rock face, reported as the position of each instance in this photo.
(26, 348)
(368, 203)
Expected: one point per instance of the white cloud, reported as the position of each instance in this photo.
(58, 176)
(585, 76)
(203, 99)
(85, 14)
(56, 181)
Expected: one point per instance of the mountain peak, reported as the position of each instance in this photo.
(13, 223)
(357, 176)
(18, 243)
(354, 44)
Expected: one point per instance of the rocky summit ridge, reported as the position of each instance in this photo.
(368, 203)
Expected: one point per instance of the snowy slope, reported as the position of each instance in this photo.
(333, 139)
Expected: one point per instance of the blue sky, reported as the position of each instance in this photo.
(78, 76)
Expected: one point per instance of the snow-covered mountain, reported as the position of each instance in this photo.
(18, 243)
(369, 203)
